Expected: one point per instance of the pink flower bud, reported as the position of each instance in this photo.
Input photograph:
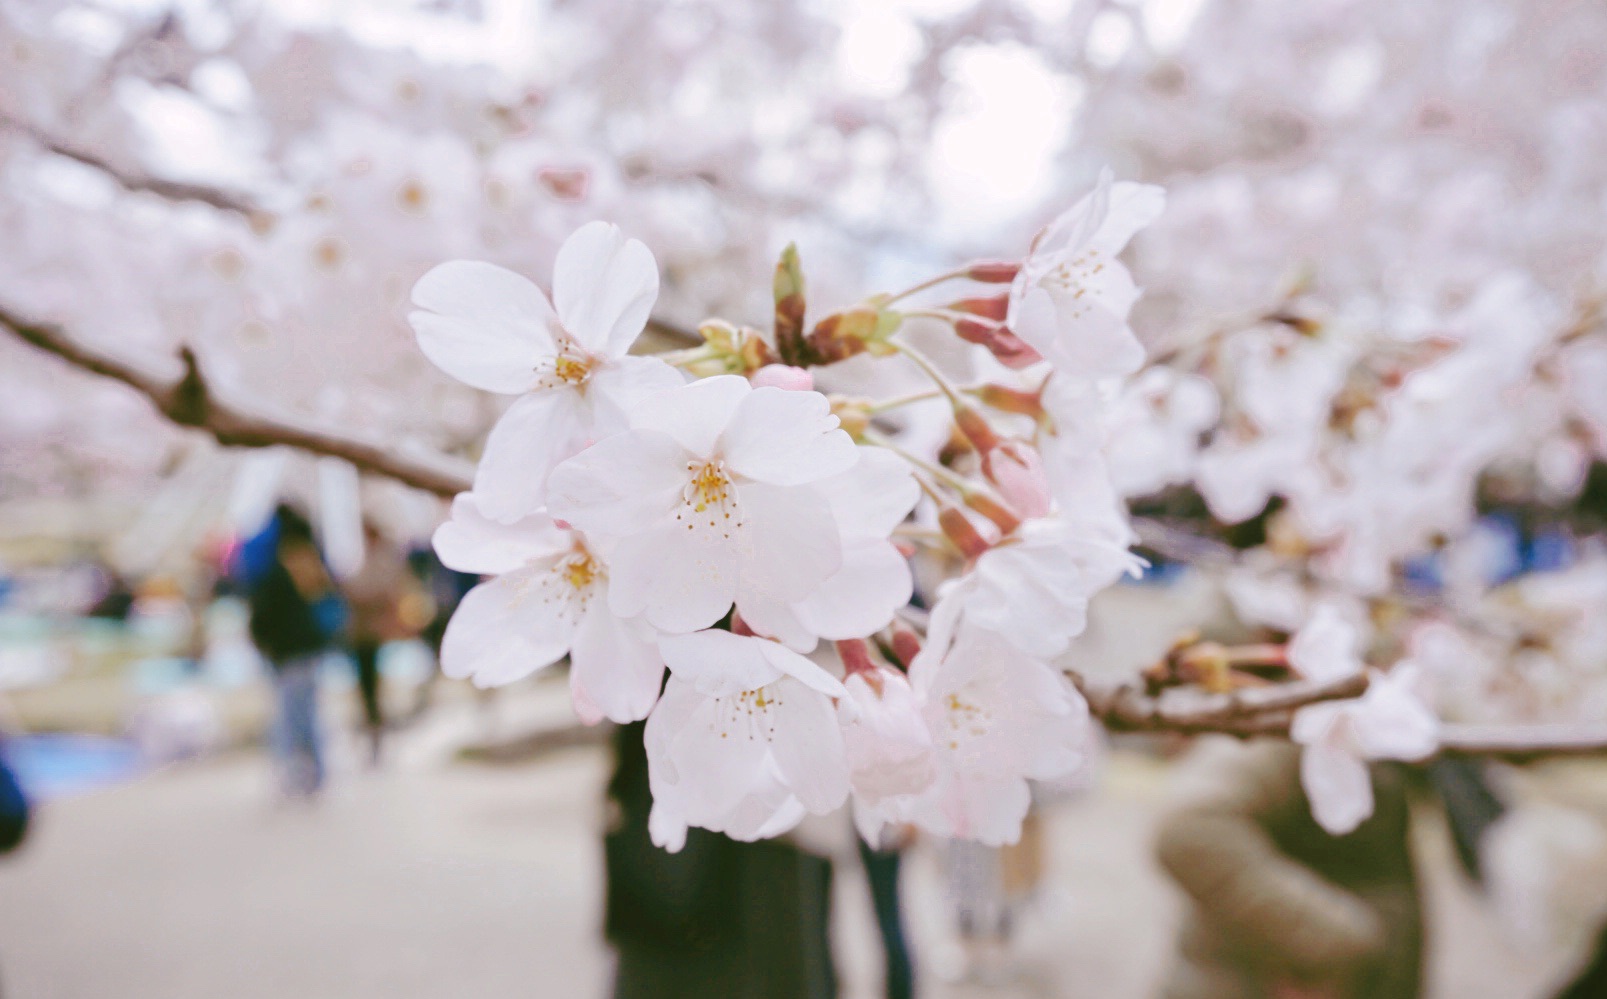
(784, 376)
(1011, 350)
(994, 307)
(1017, 470)
(993, 271)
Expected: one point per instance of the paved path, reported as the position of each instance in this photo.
(440, 879)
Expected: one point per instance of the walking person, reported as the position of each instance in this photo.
(296, 615)
(375, 595)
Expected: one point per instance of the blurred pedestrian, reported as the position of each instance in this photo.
(296, 616)
(1280, 908)
(14, 809)
(376, 595)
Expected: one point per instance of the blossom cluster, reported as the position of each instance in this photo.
(721, 549)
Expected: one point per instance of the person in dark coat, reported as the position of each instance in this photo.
(295, 618)
(720, 918)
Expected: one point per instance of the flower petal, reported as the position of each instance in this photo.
(861, 597)
(1131, 207)
(604, 286)
(808, 747)
(718, 663)
(471, 542)
(787, 438)
(504, 630)
(1338, 786)
(537, 432)
(615, 665)
(621, 484)
(681, 579)
(874, 496)
(482, 324)
(694, 414)
(789, 543)
(617, 386)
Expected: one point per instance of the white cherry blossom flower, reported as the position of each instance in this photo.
(1327, 647)
(712, 496)
(745, 740)
(1389, 722)
(1071, 298)
(566, 359)
(890, 750)
(548, 599)
(1034, 588)
(997, 718)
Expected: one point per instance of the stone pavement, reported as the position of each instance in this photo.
(435, 878)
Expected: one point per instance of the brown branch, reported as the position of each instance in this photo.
(1251, 711)
(1268, 711)
(1522, 741)
(191, 402)
(172, 190)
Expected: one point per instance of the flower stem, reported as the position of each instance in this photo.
(915, 289)
(925, 364)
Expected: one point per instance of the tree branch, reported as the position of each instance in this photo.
(1251, 711)
(1523, 741)
(172, 190)
(191, 402)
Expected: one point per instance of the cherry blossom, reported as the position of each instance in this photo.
(1389, 722)
(1033, 589)
(997, 718)
(711, 496)
(1071, 299)
(744, 741)
(566, 359)
(548, 599)
(889, 747)
(1327, 647)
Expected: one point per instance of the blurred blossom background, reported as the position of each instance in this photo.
(1374, 315)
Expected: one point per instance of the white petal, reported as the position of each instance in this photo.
(681, 580)
(862, 596)
(987, 810)
(808, 748)
(604, 286)
(874, 496)
(775, 619)
(1074, 228)
(789, 543)
(615, 666)
(1325, 648)
(666, 827)
(504, 630)
(621, 484)
(482, 324)
(472, 542)
(1338, 786)
(1391, 722)
(617, 386)
(787, 438)
(1132, 207)
(694, 414)
(803, 669)
(537, 432)
(718, 663)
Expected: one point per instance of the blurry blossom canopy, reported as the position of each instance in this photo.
(1397, 158)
